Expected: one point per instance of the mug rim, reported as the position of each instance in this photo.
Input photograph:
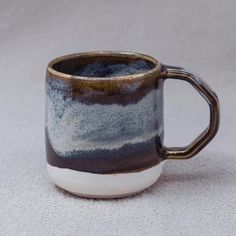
(133, 55)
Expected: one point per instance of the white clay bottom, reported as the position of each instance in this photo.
(92, 185)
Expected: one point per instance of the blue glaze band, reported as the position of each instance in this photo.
(73, 126)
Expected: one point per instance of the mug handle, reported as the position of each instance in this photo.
(173, 72)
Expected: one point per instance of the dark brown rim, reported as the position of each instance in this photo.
(156, 69)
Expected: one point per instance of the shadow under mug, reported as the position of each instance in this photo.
(104, 122)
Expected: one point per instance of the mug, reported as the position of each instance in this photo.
(104, 122)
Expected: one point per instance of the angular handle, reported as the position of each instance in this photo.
(172, 72)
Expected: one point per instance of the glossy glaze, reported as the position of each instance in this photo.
(113, 130)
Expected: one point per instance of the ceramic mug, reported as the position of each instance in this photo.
(104, 122)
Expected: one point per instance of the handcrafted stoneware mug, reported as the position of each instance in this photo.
(104, 122)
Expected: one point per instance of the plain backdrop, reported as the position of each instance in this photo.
(193, 197)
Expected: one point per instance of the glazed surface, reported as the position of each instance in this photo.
(74, 126)
(110, 69)
(104, 124)
(103, 138)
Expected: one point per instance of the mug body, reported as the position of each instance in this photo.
(104, 123)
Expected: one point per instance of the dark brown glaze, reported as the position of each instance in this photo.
(125, 93)
(90, 90)
(129, 158)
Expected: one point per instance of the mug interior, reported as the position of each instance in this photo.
(104, 65)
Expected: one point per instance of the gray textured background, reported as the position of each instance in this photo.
(194, 197)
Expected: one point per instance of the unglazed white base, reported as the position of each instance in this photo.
(92, 185)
